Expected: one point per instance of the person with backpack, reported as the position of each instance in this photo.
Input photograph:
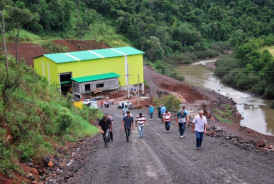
(127, 124)
(181, 121)
(105, 126)
(167, 120)
(140, 122)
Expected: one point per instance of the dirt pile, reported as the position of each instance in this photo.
(116, 95)
(144, 103)
(25, 50)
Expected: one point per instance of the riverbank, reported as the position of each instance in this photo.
(211, 65)
(197, 98)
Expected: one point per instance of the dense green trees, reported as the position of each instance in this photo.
(163, 27)
(250, 67)
(173, 31)
(187, 25)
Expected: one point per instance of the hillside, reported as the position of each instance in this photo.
(250, 67)
(35, 119)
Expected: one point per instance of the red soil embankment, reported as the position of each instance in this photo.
(25, 50)
(28, 51)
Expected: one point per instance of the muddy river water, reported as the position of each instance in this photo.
(256, 112)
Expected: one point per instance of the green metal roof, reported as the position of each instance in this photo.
(96, 77)
(92, 54)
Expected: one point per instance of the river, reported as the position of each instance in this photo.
(256, 112)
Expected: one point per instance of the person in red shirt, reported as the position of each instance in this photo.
(102, 104)
(167, 119)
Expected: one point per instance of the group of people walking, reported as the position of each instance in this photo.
(198, 126)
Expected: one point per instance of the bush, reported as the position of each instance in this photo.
(146, 84)
(65, 119)
(26, 150)
(272, 105)
(269, 91)
(170, 101)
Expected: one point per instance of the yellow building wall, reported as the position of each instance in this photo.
(135, 67)
(106, 65)
(38, 66)
(94, 67)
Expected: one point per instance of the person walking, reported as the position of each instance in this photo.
(105, 126)
(167, 119)
(159, 112)
(127, 124)
(199, 123)
(187, 114)
(140, 122)
(125, 109)
(110, 131)
(163, 110)
(181, 122)
(150, 112)
(102, 104)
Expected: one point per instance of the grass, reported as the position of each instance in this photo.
(270, 49)
(38, 116)
(224, 116)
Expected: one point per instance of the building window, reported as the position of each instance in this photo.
(87, 87)
(100, 85)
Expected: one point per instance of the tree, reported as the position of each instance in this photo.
(81, 29)
(154, 49)
(17, 18)
(3, 30)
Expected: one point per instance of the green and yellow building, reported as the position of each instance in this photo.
(85, 71)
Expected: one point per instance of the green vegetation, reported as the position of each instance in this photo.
(171, 32)
(34, 116)
(272, 105)
(224, 114)
(171, 103)
(250, 67)
(146, 84)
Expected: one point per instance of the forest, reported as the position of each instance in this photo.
(171, 32)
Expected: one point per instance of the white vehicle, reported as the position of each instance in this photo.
(126, 103)
(88, 101)
(94, 106)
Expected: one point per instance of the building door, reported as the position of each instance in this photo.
(65, 82)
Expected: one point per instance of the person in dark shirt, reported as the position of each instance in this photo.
(111, 130)
(127, 124)
(105, 126)
(159, 112)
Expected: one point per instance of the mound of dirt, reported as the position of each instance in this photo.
(116, 95)
(25, 50)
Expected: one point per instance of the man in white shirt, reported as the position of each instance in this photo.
(199, 123)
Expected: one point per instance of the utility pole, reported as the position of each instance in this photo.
(138, 91)
(127, 83)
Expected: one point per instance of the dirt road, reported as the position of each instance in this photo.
(166, 158)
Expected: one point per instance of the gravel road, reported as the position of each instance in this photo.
(162, 157)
